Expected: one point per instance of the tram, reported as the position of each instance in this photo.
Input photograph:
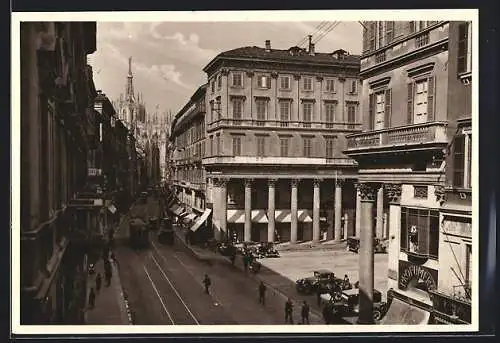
(139, 234)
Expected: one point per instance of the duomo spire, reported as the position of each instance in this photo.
(129, 92)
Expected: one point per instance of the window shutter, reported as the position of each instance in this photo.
(371, 109)
(409, 110)
(388, 108)
(389, 31)
(430, 98)
(366, 40)
(411, 26)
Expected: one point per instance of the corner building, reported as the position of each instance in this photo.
(276, 122)
(409, 125)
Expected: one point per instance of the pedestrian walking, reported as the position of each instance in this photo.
(245, 262)
(98, 282)
(92, 298)
(207, 282)
(318, 297)
(326, 314)
(233, 258)
(289, 311)
(262, 293)
(107, 272)
(305, 312)
(113, 257)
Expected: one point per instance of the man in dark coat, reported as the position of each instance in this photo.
(92, 298)
(289, 311)
(98, 282)
(305, 312)
(207, 282)
(262, 293)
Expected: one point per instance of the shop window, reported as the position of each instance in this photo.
(420, 231)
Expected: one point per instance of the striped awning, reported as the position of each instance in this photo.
(303, 216)
(235, 216)
(259, 216)
(283, 216)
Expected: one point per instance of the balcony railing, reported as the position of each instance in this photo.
(414, 135)
(275, 160)
(453, 309)
(284, 123)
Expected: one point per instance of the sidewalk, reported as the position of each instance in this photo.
(110, 305)
(277, 284)
(309, 245)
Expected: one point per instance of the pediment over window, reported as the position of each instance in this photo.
(421, 69)
(384, 81)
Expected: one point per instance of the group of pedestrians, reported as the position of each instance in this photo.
(108, 256)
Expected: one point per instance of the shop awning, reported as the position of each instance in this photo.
(303, 216)
(236, 216)
(403, 313)
(201, 219)
(283, 216)
(259, 216)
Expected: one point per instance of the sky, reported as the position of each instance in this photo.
(168, 57)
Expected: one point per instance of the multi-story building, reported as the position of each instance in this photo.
(410, 106)
(276, 125)
(188, 139)
(57, 130)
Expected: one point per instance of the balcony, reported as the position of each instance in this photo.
(426, 136)
(451, 309)
(283, 124)
(274, 160)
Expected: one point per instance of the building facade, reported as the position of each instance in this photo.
(58, 128)
(275, 123)
(188, 139)
(408, 126)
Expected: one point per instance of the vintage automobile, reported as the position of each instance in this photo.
(323, 281)
(226, 249)
(379, 245)
(346, 303)
(264, 250)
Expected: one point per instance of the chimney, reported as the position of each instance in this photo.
(310, 42)
(268, 45)
(311, 49)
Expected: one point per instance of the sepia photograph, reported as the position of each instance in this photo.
(298, 171)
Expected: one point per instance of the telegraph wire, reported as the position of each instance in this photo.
(317, 29)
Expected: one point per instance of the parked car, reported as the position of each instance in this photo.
(346, 303)
(323, 281)
(226, 249)
(379, 244)
(266, 250)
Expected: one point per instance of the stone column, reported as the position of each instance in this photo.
(221, 207)
(393, 192)
(346, 226)
(316, 206)
(338, 209)
(366, 258)
(271, 208)
(380, 212)
(293, 212)
(248, 211)
(357, 227)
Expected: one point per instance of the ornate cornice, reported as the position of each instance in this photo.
(271, 182)
(294, 182)
(248, 182)
(367, 191)
(339, 182)
(440, 194)
(393, 192)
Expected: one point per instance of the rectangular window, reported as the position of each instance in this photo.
(218, 145)
(373, 34)
(420, 231)
(458, 161)
(284, 113)
(307, 84)
(330, 85)
(464, 48)
(354, 87)
(261, 105)
(380, 57)
(330, 114)
(284, 147)
(237, 80)
(219, 81)
(213, 86)
(307, 112)
(263, 82)
(307, 147)
(379, 111)
(237, 111)
(329, 147)
(211, 147)
(420, 102)
(236, 146)
(380, 34)
(351, 115)
(284, 82)
(389, 31)
(422, 40)
(261, 143)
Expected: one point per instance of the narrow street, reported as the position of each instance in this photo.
(164, 287)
